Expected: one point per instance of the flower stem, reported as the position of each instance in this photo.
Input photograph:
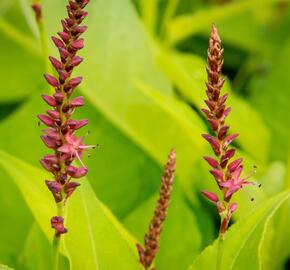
(220, 253)
(37, 6)
(57, 237)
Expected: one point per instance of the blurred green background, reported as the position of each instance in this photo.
(144, 83)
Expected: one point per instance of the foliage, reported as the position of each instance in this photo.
(144, 74)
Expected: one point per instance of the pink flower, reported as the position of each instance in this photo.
(74, 147)
(235, 183)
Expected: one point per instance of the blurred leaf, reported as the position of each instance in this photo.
(17, 62)
(94, 237)
(274, 178)
(242, 243)
(188, 73)
(180, 239)
(15, 220)
(4, 267)
(149, 10)
(278, 249)
(187, 25)
(270, 94)
(37, 251)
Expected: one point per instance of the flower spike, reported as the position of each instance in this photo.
(227, 174)
(151, 239)
(60, 133)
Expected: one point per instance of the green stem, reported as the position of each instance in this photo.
(43, 42)
(57, 237)
(220, 253)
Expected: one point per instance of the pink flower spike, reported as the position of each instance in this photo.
(53, 113)
(49, 162)
(76, 172)
(223, 132)
(211, 196)
(58, 43)
(77, 102)
(63, 53)
(76, 124)
(64, 36)
(229, 139)
(53, 186)
(227, 156)
(213, 142)
(46, 120)
(70, 187)
(63, 75)
(214, 124)
(51, 80)
(57, 64)
(49, 142)
(77, 44)
(218, 175)
(212, 162)
(57, 224)
(49, 100)
(79, 29)
(76, 61)
(59, 97)
(75, 81)
(234, 165)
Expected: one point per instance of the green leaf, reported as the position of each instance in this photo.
(189, 24)
(36, 243)
(242, 244)
(94, 237)
(26, 68)
(277, 250)
(273, 105)
(188, 73)
(15, 220)
(4, 267)
(149, 10)
(180, 238)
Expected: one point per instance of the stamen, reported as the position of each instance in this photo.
(86, 147)
(251, 173)
(79, 158)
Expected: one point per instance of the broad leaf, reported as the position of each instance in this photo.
(241, 246)
(189, 24)
(94, 237)
(36, 243)
(4, 267)
(15, 221)
(19, 53)
(274, 104)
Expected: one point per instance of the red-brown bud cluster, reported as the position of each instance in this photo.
(151, 239)
(60, 132)
(226, 174)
